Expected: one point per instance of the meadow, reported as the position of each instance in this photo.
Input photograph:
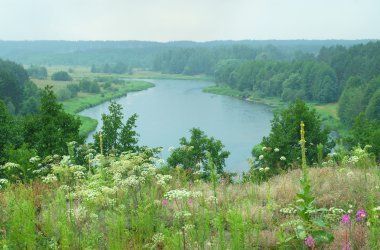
(133, 201)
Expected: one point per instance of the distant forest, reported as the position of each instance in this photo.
(140, 54)
(321, 71)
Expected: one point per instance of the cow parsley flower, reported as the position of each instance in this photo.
(50, 178)
(177, 194)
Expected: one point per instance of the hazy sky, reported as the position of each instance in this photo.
(199, 20)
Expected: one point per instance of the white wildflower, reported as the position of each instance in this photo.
(178, 194)
(78, 175)
(158, 238)
(196, 194)
(261, 157)
(134, 181)
(65, 188)
(4, 181)
(188, 227)
(163, 179)
(276, 150)
(11, 165)
(212, 199)
(50, 178)
(283, 158)
(182, 214)
(34, 159)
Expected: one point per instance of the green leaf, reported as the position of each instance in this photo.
(300, 232)
(323, 237)
(319, 222)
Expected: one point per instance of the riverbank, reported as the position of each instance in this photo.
(327, 112)
(86, 100)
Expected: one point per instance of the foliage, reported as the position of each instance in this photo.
(12, 80)
(308, 80)
(365, 132)
(281, 147)
(350, 102)
(88, 86)
(117, 137)
(61, 76)
(31, 96)
(50, 128)
(192, 155)
(7, 132)
(117, 68)
(37, 72)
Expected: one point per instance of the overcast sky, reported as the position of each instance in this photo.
(199, 20)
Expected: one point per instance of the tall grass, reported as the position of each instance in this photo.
(133, 206)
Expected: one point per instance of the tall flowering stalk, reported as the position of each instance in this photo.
(303, 149)
(101, 142)
(346, 223)
(305, 198)
(312, 230)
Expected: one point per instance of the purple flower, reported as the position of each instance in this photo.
(346, 246)
(361, 214)
(309, 241)
(165, 202)
(345, 219)
(190, 201)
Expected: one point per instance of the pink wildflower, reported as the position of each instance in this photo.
(165, 202)
(361, 214)
(190, 201)
(346, 246)
(345, 219)
(309, 241)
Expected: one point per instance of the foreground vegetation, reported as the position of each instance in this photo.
(132, 202)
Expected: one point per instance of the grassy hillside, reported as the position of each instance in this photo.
(128, 203)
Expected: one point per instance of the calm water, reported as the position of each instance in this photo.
(168, 111)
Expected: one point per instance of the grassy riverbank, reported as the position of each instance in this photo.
(328, 112)
(84, 101)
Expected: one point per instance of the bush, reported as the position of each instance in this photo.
(61, 76)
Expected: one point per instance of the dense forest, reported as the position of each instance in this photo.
(139, 54)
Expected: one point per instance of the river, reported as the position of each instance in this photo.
(168, 111)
